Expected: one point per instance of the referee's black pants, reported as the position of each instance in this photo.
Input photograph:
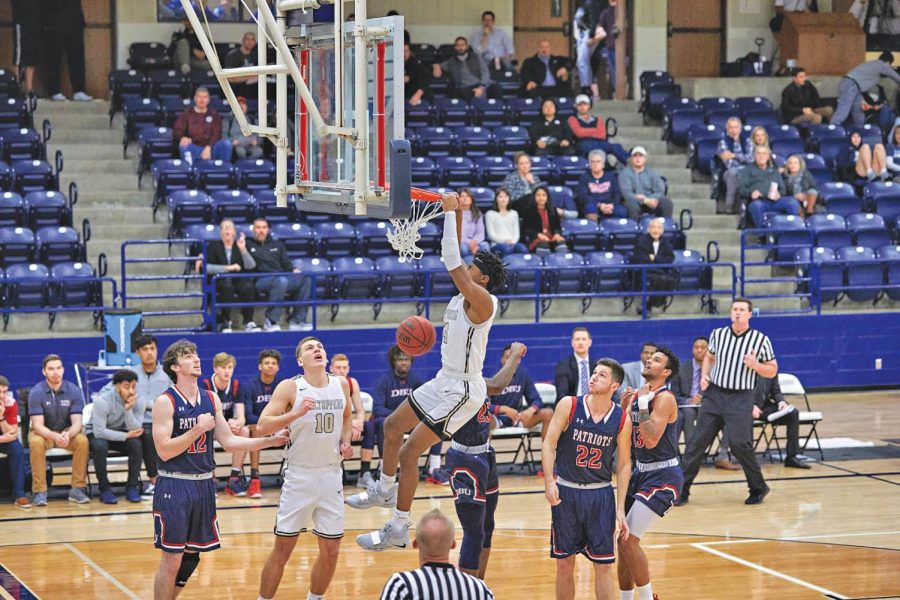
(72, 44)
(721, 407)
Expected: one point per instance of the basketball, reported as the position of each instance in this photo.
(415, 335)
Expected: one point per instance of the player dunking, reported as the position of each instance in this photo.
(436, 410)
(657, 478)
(577, 457)
(185, 421)
(315, 407)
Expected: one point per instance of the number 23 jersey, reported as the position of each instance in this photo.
(586, 447)
(316, 436)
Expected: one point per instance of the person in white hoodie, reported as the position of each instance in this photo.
(501, 225)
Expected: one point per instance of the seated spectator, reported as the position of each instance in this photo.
(255, 396)
(187, 53)
(271, 257)
(468, 73)
(230, 255)
(589, 132)
(10, 444)
(758, 137)
(686, 386)
(762, 187)
(544, 75)
(55, 406)
(501, 225)
(769, 400)
(541, 228)
(520, 403)
(472, 238)
(198, 131)
(244, 146)
(733, 153)
(597, 192)
(244, 55)
(493, 44)
(224, 385)
(643, 190)
(415, 78)
(652, 248)
(521, 182)
(634, 370)
(116, 424)
(800, 102)
(892, 154)
(799, 183)
(861, 160)
(877, 108)
(549, 135)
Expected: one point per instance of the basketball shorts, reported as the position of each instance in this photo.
(184, 515)
(472, 476)
(445, 404)
(584, 522)
(26, 44)
(658, 490)
(311, 495)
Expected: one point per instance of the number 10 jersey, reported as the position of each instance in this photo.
(316, 436)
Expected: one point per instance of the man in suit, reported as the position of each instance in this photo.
(545, 75)
(769, 400)
(574, 373)
(686, 386)
(229, 255)
(633, 370)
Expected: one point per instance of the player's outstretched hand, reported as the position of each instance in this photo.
(624, 532)
(206, 422)
(551, 493)
(346, 451)
(280, 438)
(306, 405)
(450, 201)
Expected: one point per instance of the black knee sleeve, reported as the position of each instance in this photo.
(489, 509)
(189, 562)
(471, 517)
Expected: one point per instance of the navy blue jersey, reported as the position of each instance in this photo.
(585, 450)
(255, 395)
(198, 458)
(477, 430)
(227, 397)
(521, 385)
(390, 391)
(666, 448)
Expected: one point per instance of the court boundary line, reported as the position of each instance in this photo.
(103, 572)
(875, 476)
(20, 580)
(772, 572)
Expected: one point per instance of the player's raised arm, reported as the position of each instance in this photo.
(481, 307)
(238, 443)
(498, 382)
(558, 424)
(277, 414)
(168, 447)
(623, 472)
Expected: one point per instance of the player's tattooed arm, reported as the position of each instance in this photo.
(653, 424)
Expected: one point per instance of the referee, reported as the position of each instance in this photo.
(736, 356)
(436, 578)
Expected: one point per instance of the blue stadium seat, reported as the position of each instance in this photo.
(840, 198)
(28, 285)
(34, 175)
(830, 272)
(751, 103)
(817, 133)
(677, 103)
(692, 274)
(170, 175)
(187, 207)
(457, 171)
(474, 141)
(427, 53)
(356, 278)
(16, 245)
(783, 132)
(717, 103)
(298, 238)
(890, 256)
(522, 269)
(441, 285)
(423, 172)
(237, 205)
(493, 169)
(125, 84)
(878, 191)
(702, 150)
(162, 83)
(206, 232)
(336, 239)
(154, 143)
(509, 83)
(69, 293)
(139, 113)
(647, 78)
(266, 202)
(22, 144)
(601, 268)
(864, 276)
(565, 273)
(511, 139)
(829, 148)
(47, 208)
(15, 113)
(436, 141)
(148, 56)
(787, 147)
(490, 112)
(419, 115)
(545, 168)
(583, 235)
(399, 279)
(524, 111)
(655, 97)
(620, 234)
(570, 169)
(321, 269)
(255, 174)
(830, 231)
(814, 161)
(6, 177)
(12, 210)
(787, 233)
(671, 230)
(680, 122)
(765, 117)
(565, 106)
(561, 194)
(213, 175)
(371, 238)
(451, 112)
(172, 107)
(868, 230)
(430, 237)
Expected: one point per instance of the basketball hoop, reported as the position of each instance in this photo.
(404, 236)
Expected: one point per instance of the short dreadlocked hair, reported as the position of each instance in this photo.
(492, 266)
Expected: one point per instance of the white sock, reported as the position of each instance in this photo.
(626, 594)
(386, 482)
(262, 598)
(311, 596)
(645, 592)
(434, 462)
(400, 518)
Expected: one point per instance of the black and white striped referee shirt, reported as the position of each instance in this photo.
(729, 371)
(435, 581)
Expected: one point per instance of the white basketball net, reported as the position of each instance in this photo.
(405, 235)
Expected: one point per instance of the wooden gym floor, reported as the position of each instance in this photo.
(831, 532)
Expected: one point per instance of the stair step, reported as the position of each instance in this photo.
(75, 167)
(89, 136)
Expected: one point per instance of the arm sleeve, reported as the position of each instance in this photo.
(215, 269)
(34, 405)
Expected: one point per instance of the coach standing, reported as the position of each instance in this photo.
(736, 356)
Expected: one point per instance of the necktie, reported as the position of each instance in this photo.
(583, 381)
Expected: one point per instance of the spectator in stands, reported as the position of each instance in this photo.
(244, 146)
(64, 33)
(541, 227)
(545, 75)
(10, 444)
(508, 406)
(758, 137)
(608, 33)
(549, 135)
(116, 423)
(861, 78)
(762, 187)
(271, 257)
(589, 132)
(472, 237)
(152, 381)
(26, 16)
(224, 385)
(633, 378)
(230, 255)
(643, 190)
(501, 225)
(244, 55)
(652, 248)
(255, 395)
(468, 73)
(198, 131)
(55, 406)
(892, 154)
(800, 102)
(521, 182)
(587, 26)
(770, 401)
(686, 386)
(733, 154)
(573, 373)
(493, 44)
(877, 109)
(187, 53)
(415, 78)
(597, 192)
(799, 183)
(861, 160)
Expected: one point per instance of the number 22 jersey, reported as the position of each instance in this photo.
(586, 447)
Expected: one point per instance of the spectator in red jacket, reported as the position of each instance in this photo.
(198, 131)
(589, 131)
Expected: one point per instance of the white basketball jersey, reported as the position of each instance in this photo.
(316, 436)
(463, 344)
